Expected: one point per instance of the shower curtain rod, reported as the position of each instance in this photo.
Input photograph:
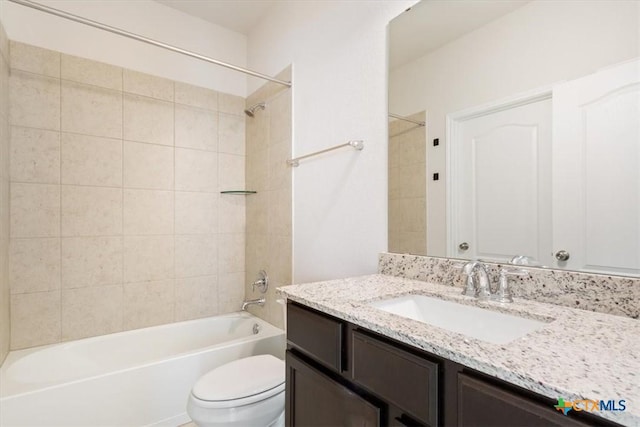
(406, 119)
(114, 30)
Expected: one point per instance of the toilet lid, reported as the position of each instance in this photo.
(241, 378)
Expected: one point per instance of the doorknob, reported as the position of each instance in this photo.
(562, 255)
(463, 246)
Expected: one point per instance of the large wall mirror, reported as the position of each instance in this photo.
(514, 130)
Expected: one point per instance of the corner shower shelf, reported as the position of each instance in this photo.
(238, 192)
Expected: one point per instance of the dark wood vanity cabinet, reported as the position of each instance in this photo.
(483, 404)
(316, 400)
(339, 374)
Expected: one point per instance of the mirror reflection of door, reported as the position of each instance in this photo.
(452, 56)
(501, 182)
(596, 170)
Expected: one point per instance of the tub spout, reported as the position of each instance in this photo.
(259, 301)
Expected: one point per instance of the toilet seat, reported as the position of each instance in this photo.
(241, 382)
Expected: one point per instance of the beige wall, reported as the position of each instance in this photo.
(269, 226)
(116, 218)
(4, 196)
(407, 187)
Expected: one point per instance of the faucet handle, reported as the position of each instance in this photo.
(503, 294)
(262, 283)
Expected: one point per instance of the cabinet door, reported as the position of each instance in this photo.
(401, 378)
(482, 404)
(315, 400)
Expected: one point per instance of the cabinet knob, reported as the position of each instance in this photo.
(463, 246)
(562, 255)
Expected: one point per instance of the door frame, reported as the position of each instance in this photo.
(454, 122)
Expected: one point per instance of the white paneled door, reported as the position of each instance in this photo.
(596, 171)
(500, 182)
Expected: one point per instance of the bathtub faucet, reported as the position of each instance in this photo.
(259, 301)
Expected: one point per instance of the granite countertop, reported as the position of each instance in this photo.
(577, 355)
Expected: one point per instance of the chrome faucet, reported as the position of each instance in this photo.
(478, 284)
(259, 301)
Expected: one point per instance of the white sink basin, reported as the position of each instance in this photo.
(485, 325)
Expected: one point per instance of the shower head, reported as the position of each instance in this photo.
(251, 110)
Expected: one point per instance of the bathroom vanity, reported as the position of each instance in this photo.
(351, 363)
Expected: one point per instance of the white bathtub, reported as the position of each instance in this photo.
(136, 378)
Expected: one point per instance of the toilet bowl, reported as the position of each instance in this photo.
(247, 392)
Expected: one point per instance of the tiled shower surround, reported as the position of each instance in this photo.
(269, 235)
(407, 186)
(4, 196)
(117, 221)
(615, 295)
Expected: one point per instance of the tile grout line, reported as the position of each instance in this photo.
(122, 245)
(175, 280)
(60, 193)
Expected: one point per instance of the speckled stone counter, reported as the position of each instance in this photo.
(578, 355)
(617, 295)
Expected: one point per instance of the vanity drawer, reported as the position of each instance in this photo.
(481, 404)
(397, 376)
(317, 335)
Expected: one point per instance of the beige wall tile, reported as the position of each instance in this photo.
(148, 304)
(231, 214)
(84, 70)
(196, 96)
(91, 211)
(91, 110)
(34, 59)
(256, 174)
(278, 170)
(196, 170)
(231, 252)
(196, 213)
(231, 104)
(87, 312)
(231, 134)
(91, 160)
(279, 212)
(91, 261)
(34, 265)
(35, 155)
(256, 254)
(257, 132)
(148, 166)
(196, 255)
(148, 120)
(231, 292)
(4, 88)
(4, 43)
(230, 171)
(256, 212)
(34, 101)
(148, 85)
(196, 128)
(148, 258)
(279, 250)
(35, 210)
(35, 319)
(280, 118)
(196, 297)
(148, 212)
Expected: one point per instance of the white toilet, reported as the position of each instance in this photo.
(247, 392)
